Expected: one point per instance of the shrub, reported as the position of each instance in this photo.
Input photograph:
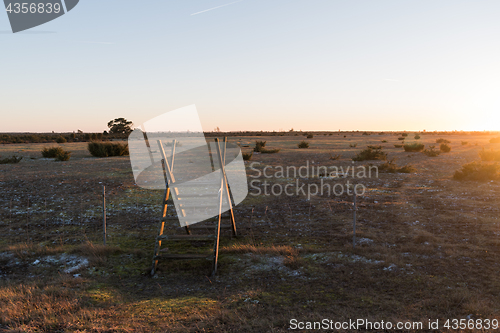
(495, 140)
(61, 139)
(259, 145)
(402, 138)
(413, 147)
(353, 145)
(335, 157)
(366, 133)
(444, 148)
(384, 141)
(370, 154)
(100, 149)
(431, 152)
(477, 171)
(375, 147)
(398, 146)
(310, 136)
(417, 136)
(442, 141)
(52, 152)
(489, 155)
(11, 160)
(63, 156)
(404, 135)
(391, 167)
(269, 151)
(247, 156)
(303, 144)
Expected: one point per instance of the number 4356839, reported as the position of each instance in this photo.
(463, 324)
(33, 8)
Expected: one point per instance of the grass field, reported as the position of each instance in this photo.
(428, 246)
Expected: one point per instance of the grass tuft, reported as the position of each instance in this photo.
(413, 147)
(370, 154)
(100, 149)
(477, 171)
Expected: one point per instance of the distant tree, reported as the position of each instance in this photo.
(120, 126)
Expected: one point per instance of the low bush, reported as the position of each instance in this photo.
(64, 156)
(444, 148)
(335, 157)
(259, 145)
(489, 155)
(370, 154)
(431, 152)
(417, 136)
(366, 133)
(442, 141)
(310, 136)
(401, 138)
(100, 149)
(398, 146)
(11, 160)
(61, 139)
(404, 135)
(269, 151)
(52, 152)
(384, 141)
(303, 144)
(495, 140)
(391, 167)
(353, 145)
(375, 147)
(247, 156)
(413, 147)
(477, 171)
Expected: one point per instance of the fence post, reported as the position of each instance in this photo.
(104, 212)
(354, 223)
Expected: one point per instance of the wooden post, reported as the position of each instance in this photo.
(104, 213)
(354, 223)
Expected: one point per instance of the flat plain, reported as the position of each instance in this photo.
(428, 246)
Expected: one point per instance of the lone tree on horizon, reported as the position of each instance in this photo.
(120, 126)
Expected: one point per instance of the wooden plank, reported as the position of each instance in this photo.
(183, 256)
(186, 237)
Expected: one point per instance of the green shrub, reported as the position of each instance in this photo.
(247, 156)
(495, 140)
(366, 133)
(64, 156)
(442, 141)
(413, 147)
(303, 144)
(370, 154)
(384, 141)
(61, 139)
(100, 149)
(477, 171)
(417, 136)
(391, 167)
(402, 138)
(269, 151)
(489, 155)
(52, 152)
(310, 136)
(398, 146)
(404, 135)
(259, 145)
(444, 148)
(11, 160)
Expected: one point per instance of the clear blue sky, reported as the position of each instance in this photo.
(257, 65)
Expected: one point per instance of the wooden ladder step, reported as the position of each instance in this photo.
(175, 218)
(222, 226)
(184, 256)
(187, 237)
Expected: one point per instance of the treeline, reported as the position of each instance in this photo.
(58, 137)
